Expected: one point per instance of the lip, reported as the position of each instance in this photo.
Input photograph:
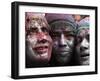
(41, 49)
(85, 57)
(64, 53)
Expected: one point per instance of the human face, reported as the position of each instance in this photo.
(83, 46)
(63, 41)
(38, 40)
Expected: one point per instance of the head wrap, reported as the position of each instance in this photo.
(83, 24)
(61, 20)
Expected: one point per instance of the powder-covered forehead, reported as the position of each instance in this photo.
(83, 32)
(34, 15)
(62, 25)
(33, 19)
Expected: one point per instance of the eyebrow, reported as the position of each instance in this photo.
(35, 28)
(68, 31)
(32, 29)
(65, 32)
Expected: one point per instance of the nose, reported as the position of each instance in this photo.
(41, 36)
(62, 41)
(84, 45)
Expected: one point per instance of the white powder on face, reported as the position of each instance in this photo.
(32, 41)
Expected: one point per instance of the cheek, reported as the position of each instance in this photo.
(70, 42)
(78, 48)
(49, 39)
(55, 43)
(32, 40)
(50, 42)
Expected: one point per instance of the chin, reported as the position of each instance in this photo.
(44, 56)
(85, 63)
(63, 60)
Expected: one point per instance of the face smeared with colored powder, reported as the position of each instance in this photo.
(83, 46)
(63, 41)
(38, 40)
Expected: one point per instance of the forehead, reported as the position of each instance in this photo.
(61, 26)
(83, 32)
(37, 23)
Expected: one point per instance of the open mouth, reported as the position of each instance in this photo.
(41, 49)
(85, 55)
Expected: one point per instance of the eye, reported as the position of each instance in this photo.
(68, 33)
(69, 36)
(32, 31)
(45, 30)
(79, 39)
(87, 37)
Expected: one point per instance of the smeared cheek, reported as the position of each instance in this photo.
(55, 44)
(50, 41)
(71, 42)
(32, 40)
(33, 54)
(78, 48)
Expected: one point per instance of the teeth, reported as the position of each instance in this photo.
(44, 54)
(42, 46)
